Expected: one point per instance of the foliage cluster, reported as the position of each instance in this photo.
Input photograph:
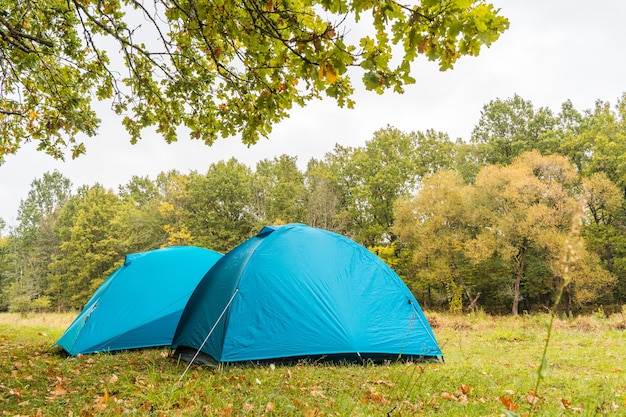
(217, 69)
(582, 378)
(483, 224)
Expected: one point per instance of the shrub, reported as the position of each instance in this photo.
(21, 304)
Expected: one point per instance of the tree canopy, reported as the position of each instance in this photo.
(218, 68)
(464, 227)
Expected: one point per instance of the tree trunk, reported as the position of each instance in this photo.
(568, 294)
(518, 280)
(473, 301)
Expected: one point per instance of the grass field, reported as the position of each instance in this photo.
(491, 369)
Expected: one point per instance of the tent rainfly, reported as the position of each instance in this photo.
(294, 292)
(139, 305)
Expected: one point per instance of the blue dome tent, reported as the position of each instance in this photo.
(139, 304)
(295, 292)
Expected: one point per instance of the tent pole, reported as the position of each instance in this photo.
(209, 335)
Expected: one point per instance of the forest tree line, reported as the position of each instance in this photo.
(530, 208)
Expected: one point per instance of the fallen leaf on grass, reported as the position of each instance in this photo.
(383, 382)
(374, 397)
(316, 392)
(145, 407)
(448, 396)
(464, 389)
(532, 398)
(508, 403)
(566, 403)
(310, 412)
(59, 390)
(228, 411)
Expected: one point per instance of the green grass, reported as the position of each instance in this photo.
(490, 370)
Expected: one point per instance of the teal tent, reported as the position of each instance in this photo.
(139, 305)
(295, 292)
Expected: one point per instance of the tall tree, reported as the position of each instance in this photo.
(139, 191)
(511, 127)
(146, 225)
(433, 227)
(605, 227)
(36, 242)
(323, 200)
(218, 69)
(173, 201)
(92, 238)
(371, 178)
(520, 211)
(45, 195)
(7, 269)
(337, 170)
(218, 214)
(601, 141)
(279, 191)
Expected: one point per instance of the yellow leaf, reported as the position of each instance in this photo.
(321, 73)
(327, 72)
(331, 75)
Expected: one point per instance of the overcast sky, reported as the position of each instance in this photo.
(555, 50)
